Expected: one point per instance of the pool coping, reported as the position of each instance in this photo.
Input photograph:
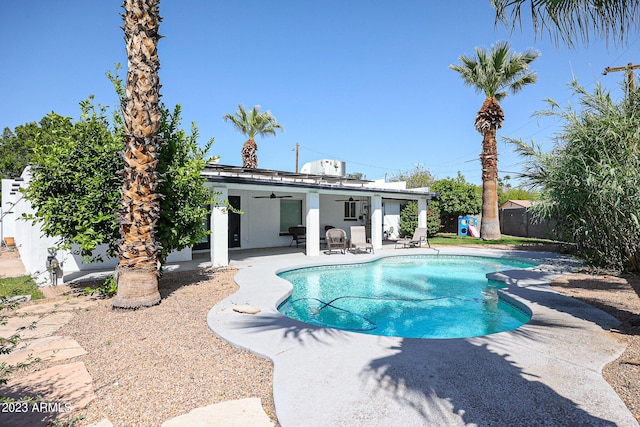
(548, 369)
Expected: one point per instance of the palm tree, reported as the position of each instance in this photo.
(565, 19)
(494, 73)
(252, 124)
(138, 251)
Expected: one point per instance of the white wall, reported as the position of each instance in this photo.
(9, 201)
(391, 218)
(260, 221)
(73, 262)
(332, 212)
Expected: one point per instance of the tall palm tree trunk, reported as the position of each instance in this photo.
(249, 154)
(138, 251)
(490, 223)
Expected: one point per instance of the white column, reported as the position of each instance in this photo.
(220, 231)
(422, 212)
(376, 222)
(313, 224)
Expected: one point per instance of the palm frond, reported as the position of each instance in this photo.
(568, 19)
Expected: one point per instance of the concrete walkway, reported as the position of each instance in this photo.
(68, 386)
(547, 372)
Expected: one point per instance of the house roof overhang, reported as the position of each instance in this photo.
(234, 176)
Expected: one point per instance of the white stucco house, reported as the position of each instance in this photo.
(271, 201)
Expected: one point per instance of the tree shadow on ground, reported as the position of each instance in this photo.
(59, 396)
(438, 378)
(287, 328)
(168, 283)
(597, 291)
(175, 280)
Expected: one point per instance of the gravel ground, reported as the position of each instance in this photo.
(151, 365)
(154, 364)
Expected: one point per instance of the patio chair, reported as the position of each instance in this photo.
(359, 241)
(336, 239)
(419, 237)
(298, 235)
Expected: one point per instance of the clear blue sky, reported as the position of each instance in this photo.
(362, 81)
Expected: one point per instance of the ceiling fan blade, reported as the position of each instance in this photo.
(271, 196)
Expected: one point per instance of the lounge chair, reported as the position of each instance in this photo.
(298, 235)
(336, 239)
(419, 237)
(359, 240)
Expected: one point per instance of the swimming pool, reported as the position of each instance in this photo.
(419, 296)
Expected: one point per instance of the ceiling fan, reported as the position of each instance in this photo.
(271, 196)
(350, 199)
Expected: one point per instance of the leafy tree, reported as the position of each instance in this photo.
(494, 73)
(75, 189)
(409, 219)
(16, 148)
(252, 124)
(566, 19)
(186, 202)
(356, 175)
(457, 197)
(589, 181)
(515, 194)
(415, 178)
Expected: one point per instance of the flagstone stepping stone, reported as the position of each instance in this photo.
(48, 348)
(63, 388)
(71, 304)
(44, 325)
(232, 413)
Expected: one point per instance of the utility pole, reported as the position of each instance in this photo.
(297, 149)
(629, 68)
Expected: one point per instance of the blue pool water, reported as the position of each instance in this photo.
(406, 296)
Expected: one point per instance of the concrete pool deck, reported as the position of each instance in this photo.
(547, 372)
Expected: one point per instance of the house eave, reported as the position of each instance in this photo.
(223, 174)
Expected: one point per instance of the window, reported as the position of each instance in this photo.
(350, 211)
(290, 214)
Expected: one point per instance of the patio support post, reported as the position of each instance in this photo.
(422, 212)
(313, 224)
(220, 231)
(376, 222)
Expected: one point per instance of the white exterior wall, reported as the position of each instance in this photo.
(260, 221)
(312, 222)
(391, 219)
(422, 212)
(376, 221)
(332, 212)
(219, 234)
(8, 213)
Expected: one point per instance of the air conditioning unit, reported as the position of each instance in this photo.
(324, 167)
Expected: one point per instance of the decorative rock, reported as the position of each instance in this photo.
(246, 309)
(233, 413)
